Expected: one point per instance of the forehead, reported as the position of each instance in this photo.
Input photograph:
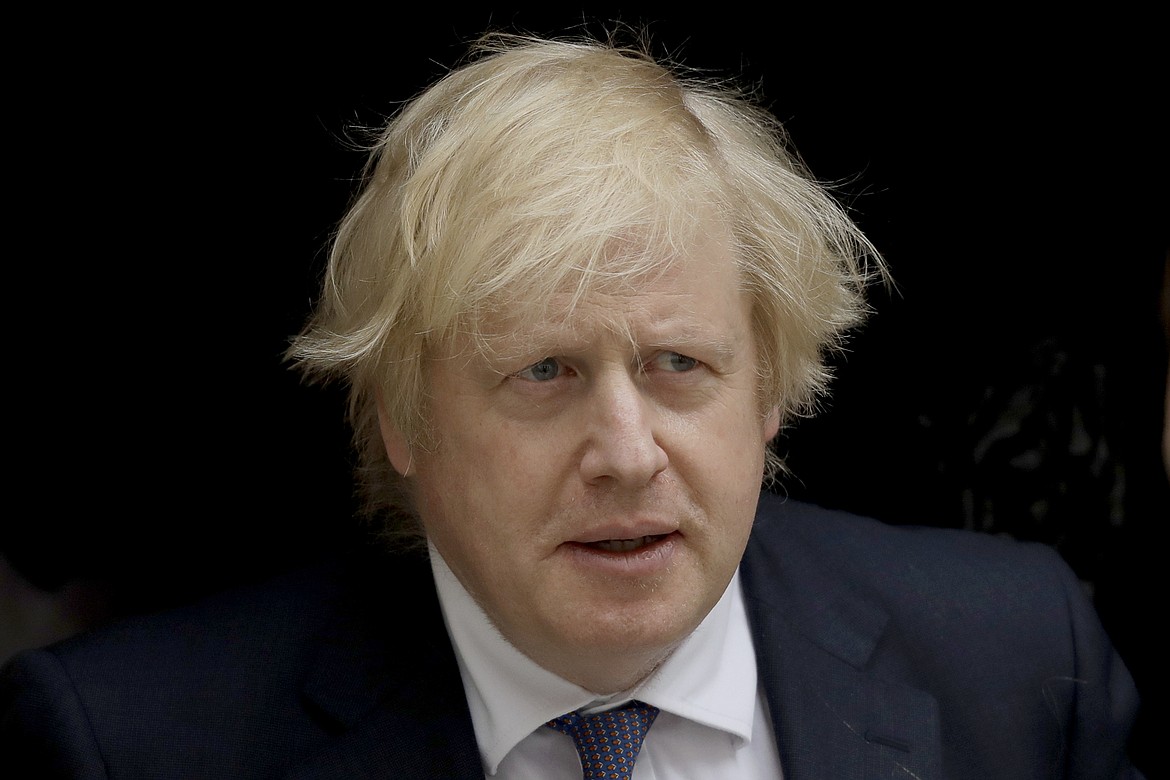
(688, 297)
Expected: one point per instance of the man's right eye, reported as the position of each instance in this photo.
(543, 371)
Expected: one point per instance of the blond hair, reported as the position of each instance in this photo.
(521, 174)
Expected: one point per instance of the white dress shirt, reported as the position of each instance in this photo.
(714, 722)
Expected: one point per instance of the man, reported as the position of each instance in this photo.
(576, 298)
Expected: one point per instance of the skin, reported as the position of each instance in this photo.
(637, 416)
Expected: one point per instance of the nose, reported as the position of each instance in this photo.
(622, 445)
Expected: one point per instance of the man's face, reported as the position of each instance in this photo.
(596, 476)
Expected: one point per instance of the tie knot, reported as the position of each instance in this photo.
(608, 742)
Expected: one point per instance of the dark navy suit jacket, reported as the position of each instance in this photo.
(885, 653)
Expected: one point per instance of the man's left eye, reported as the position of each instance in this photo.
(673, 361)
(543, 371)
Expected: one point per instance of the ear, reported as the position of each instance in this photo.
(771, 424)
(397, 447)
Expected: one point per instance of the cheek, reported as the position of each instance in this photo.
(727, 442)
(517, 459)
(480, 489)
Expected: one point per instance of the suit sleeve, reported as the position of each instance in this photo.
(44, 730)
(1104, 698)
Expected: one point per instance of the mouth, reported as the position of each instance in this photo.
(621, 558)
(625, 545)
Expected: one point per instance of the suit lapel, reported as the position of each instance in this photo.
(390, 688)
(816, 641)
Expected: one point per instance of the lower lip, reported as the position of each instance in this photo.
(646, 561)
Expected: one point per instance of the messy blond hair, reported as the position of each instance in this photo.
(522, 173)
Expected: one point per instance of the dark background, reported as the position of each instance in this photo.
(179, 182)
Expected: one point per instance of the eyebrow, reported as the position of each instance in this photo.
(723, 349)
(681, 334)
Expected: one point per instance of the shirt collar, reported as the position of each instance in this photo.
(710, 678)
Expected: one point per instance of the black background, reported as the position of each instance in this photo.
(178, 181)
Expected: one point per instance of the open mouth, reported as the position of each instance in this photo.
(625, 545)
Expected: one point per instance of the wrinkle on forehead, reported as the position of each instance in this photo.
(564, 324)
(605, 299)
(616, 310)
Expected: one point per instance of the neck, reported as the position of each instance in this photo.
(615, 673)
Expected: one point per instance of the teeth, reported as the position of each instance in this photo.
(624, 545)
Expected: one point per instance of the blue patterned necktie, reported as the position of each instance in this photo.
(608, 742)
